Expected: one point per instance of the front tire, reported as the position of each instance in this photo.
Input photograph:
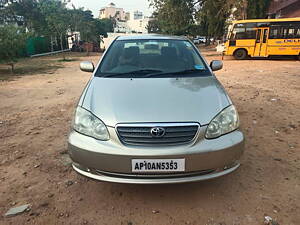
(240, 54)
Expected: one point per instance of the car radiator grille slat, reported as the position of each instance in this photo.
(141, 135)
(169, 135)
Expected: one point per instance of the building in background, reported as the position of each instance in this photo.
(111, 11)
(125, 22)
(132, 26)
(135, 22)
(139, 25)
(137, 15)
(284, 9)
(127, 16)
(122, 27)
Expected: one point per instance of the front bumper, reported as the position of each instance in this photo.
(111, 160)
(158, 179)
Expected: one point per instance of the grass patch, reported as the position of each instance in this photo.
(40, 65)
(29, 66)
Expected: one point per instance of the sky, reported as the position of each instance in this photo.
(128, 5)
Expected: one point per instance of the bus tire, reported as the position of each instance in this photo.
(240, 54)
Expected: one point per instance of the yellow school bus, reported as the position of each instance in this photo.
(263, 38)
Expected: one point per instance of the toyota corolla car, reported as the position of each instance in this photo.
(154, 112)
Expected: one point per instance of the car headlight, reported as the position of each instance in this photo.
(225, 122)
(88, 124)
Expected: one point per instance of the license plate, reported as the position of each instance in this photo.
(158, 165)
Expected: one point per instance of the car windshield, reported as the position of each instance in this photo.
(152, 58)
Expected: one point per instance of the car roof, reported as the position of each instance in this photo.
(151, 37)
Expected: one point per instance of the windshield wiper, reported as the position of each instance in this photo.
(189, 71)
(135, 72)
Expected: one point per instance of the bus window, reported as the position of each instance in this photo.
(240, 25)
(238, 33)
(258, 36)
(285, 32)
(297, 32)
(250, 33)
(274, 33)
(282, 32)
(251, 25)
(291, 33)
(243, 31)
(265, 36)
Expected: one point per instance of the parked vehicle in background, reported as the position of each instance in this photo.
(199, 40)
(154, 112)
(196, 41)
(81, 46)
(263, 38)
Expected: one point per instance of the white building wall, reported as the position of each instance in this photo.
(111, 11)
(139, 26)
(122, 27)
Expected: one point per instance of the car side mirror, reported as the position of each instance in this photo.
(87, 66)
(216, 65)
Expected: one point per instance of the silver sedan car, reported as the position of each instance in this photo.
(154, 112)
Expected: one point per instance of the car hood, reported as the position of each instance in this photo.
(125, 100)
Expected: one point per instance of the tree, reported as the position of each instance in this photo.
(53, 20)
(12, 41)
(196, 30)
(153, 26)
(212, 18)
(202, 17)
(57, 19)
(194, 17)
(103, 26)
(250, 9)
(108, 25)
(238, 9)
(86, 25)
(32, 17)
(48, 18)
(174, 16)
(257, 8)
(90, 29)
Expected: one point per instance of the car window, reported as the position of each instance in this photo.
(149, 56)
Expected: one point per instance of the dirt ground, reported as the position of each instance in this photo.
(35, 115)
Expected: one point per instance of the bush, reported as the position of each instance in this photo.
(12, 44)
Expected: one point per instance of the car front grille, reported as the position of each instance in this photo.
(140, 134)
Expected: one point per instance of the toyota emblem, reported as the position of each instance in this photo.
(157, 132)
